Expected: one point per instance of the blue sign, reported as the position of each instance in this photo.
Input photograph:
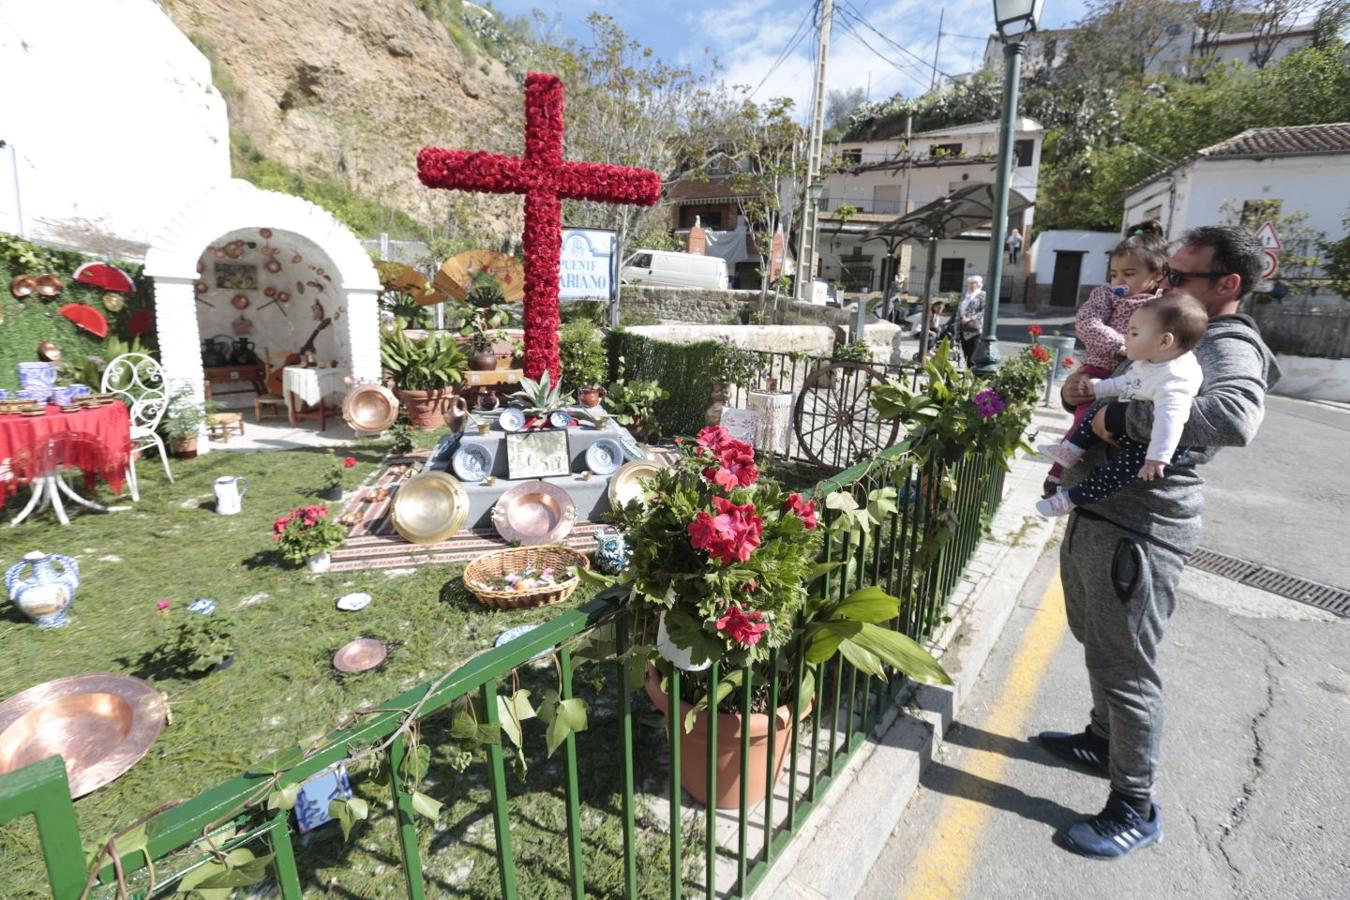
(587, 268)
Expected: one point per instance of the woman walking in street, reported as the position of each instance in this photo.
(970, 313)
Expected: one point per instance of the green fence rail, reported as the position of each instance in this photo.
(917, 552)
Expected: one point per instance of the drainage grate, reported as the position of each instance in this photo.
(1332, 599)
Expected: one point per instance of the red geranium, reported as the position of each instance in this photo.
(714, 438)
(729, 536)
(803, 509)
(745, 628)
(349, 462)
(736, 468)
(1035, 330)
(1068, 362)
(1040, 353)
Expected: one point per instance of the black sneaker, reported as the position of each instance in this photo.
(1085, 749)
(1116, 831)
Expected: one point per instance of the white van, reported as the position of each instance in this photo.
(662, 268)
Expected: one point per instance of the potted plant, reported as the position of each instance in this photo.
(182, 424)
(423, 371)
(853, 351)
(307, 535)
(633, 405)
(719, 568)
(540, 398)
(335, 475)
(485, 297)
(198, 640)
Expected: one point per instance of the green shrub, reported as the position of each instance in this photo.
(685, 370)
(853, 351)
(584, 361)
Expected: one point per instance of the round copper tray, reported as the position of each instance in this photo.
(625, 487)
(100, 724)
(369, 408)
(430, 507)
(360, 655)
(534, 512)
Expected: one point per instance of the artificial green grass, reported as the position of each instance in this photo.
(281, 689)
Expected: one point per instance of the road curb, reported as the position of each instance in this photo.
(837, 845)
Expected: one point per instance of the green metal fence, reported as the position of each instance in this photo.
(916, 551)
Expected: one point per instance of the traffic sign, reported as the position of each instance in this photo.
(1269, 237)
(1272, 266)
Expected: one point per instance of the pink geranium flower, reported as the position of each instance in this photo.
(744, 627)
(803, 509)
(729, 536)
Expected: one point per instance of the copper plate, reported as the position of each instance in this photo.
(534, 512)
(49, 286)
(100, 724)
(22, 285)
(360, 655)
(369, 408)
(625, 487)
(430, 507)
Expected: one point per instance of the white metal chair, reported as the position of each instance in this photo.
(138, 380)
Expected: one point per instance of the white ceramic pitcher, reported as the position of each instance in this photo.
(230, 491)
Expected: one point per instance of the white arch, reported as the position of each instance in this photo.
(232, 206)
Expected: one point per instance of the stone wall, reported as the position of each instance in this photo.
(695, 305)
(1317, 326)
(814, 340)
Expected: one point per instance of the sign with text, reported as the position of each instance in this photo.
(741, 424)
(587, 270)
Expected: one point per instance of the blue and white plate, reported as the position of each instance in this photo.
(604, 456)
(559, 419)
(631, 448)
(512, 419)
(471, 463)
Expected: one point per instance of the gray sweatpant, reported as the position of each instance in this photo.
(1119, 592)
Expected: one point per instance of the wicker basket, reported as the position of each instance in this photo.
(500, 563)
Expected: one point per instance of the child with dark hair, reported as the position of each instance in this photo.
(1135, 274)
(1162, 333)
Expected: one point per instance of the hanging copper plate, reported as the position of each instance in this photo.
(217, 253)
(243, 325)
(265, 232)
(273, 266)
(269, 291)
(48, 352)
(200, 287)
(22, 285)
(430, 507)
(534, 512)
(297, 259)
(100, 724)
(239, 301)
(49, 286)
(201, 267)
(369, 408)
(283, 297)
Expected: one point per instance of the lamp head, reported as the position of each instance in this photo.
(1015, 18)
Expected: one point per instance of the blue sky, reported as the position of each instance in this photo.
(748, 36)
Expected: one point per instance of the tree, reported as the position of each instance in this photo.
(1301, 262)
(1215, 17)
(1337, 260)
(1274, 19)
(839, 105)
(1122, 39)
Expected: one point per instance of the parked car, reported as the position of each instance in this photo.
(662, 268)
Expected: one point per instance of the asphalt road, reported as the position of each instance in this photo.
(1253, 790)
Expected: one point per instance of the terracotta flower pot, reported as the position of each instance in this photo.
(425, 408)
(184, 448)
(694, 750)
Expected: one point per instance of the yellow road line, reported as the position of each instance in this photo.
(942, 867)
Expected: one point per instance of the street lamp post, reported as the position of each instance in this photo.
(1015, 19)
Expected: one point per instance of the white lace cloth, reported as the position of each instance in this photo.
(312, 385)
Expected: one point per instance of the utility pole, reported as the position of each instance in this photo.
(937, 47)
(806, 257)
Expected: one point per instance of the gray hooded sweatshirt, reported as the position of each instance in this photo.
(1238, 370)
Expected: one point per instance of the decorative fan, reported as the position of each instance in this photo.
(86, 317)
(110, 278)
(405, 280)
(457, 273)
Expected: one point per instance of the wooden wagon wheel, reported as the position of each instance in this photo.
(833, 419)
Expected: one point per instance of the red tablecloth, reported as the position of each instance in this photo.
(96, 441)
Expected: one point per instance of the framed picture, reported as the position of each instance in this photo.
(537, 454)
(237, 276)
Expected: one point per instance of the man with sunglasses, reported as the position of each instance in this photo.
(1121, 559)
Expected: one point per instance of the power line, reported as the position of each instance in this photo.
(903, 68)
(796, 38)
(848, 9)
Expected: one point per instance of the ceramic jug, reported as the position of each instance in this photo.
(213, 355)
(230, 491)
(43, 585)
(244, 354)
(456, 413)
(611, 555)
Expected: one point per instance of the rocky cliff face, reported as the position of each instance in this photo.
(350, 90)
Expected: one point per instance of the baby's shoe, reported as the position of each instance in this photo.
(1056, 505)
(1064, 453)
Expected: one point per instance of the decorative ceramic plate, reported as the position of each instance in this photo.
(626, 486)
(631, 448)
(512, 419)
(353, 602)
(534, 512)
(360, 655)
(430, 507)
(101, 724)
(471, 463)
(604, 456)
(559, 419)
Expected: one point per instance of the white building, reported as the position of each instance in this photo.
(881, 180)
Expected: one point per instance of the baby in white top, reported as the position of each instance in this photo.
(1162, 334)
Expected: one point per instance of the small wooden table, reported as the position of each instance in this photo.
(303, 385)
(242, 379)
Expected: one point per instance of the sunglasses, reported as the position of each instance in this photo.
(1177, 279)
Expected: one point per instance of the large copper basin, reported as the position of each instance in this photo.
(99, 724)
(430, 507)
(534, 512)
(369, 408)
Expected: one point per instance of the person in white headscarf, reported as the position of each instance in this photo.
(970, 312)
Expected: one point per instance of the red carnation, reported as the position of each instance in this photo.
(349, 462)
(803, 509)
(745, 628)
(1040, 353)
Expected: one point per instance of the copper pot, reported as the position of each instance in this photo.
(591, 396)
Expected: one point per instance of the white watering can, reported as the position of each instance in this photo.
(230, 491)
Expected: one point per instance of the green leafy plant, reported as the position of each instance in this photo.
(306, 531)
(430, 364)
(582, 346)
(183, 416)
(539, 398)
(335, 473)
(737, 365)
(195, 642)
(400, 438)
(633, 403)
(853, 351)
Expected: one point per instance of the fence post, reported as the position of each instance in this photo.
(41, 790)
